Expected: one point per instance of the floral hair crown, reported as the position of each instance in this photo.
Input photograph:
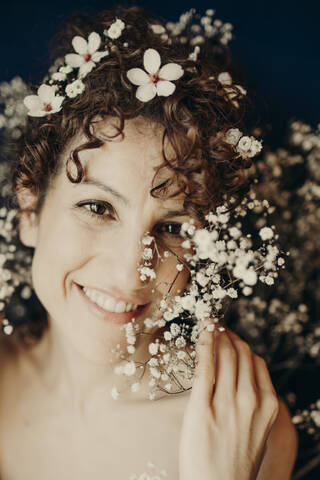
(65, 78)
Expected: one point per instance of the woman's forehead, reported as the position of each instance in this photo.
(139, 148)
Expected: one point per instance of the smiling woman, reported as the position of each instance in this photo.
(107, 176)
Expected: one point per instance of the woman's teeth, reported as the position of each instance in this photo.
(108, 303)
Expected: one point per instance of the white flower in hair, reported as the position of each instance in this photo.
(158, 29)
(226, 80)
(233, 135)
(87, 53)
(44, 103)
(156, 80)
(115, 29)
(75, 88)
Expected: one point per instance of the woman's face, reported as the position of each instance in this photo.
(88, 235)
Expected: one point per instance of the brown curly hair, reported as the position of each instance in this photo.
(194, 118)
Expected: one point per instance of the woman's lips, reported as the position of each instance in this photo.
(116, 318)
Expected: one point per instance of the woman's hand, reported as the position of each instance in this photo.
(230, 412)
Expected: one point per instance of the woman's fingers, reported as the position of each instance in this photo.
(227, 369)
(247, 381)
(204, 375)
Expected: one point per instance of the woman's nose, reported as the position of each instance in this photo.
(129, 255)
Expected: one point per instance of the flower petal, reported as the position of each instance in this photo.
(137, 76)
(74, 60)
(86, 68)
(151, 60)
(94, 42)
(37, 113)
(225, 78)
(32, 102)
(158, 29)
(96, 57)
(146, 92)
(46, 93)
(171, 71)
(80, 45)
(56, 103)
(165, 88)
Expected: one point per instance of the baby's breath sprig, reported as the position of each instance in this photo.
(223, 263)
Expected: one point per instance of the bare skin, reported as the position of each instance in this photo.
(53, 441)
(55, 403)
(234, 416)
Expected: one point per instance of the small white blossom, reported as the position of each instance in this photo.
(129, 369)
(75, 88)
(157, 29)
(266, 233)
(155, 80)
(87, 53)
(147, 254)
(155, 372)
(167, 336)
(115, 29)
(44, 103)
(153, 348)
(135, 387)
(233, 135)
(175, 329)
(225, 78)
(65, 69)
(114, 393)
(180, 342)
(59, 76)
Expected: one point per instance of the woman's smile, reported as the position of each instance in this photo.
(94, 303)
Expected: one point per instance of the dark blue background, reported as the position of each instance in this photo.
(277, 42)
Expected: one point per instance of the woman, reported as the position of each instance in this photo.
(124, 144)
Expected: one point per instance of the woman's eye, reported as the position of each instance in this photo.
(169, 228)
(98, 209)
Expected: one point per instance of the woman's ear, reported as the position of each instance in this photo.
(28, 221)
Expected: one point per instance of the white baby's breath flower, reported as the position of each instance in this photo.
(115, 29)
(59, 76)
(44, 103)
(155, 80)
(155, 372)
(153, 348)
(232, 293)
(147, 254)
(244, 144)
(75, 88)
(175, 329)
(233, 135)
(65, 69)
(225, 78)
(129, 369)
(167, 336)
(87, 53)
(157, 29)
(188, 302)
(135, 387)
(266, 233)
(147, 240)
(114, 393)
(131, 349)
(180, 342)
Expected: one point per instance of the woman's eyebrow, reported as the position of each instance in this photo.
(175, 213)
(106, 188)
